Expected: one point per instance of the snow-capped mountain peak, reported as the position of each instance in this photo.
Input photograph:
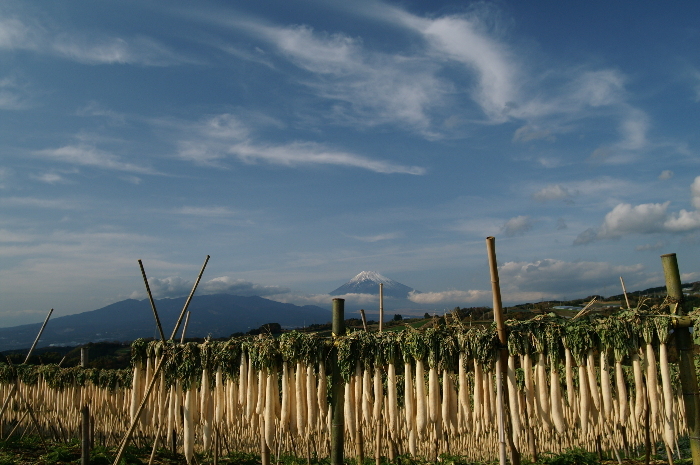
(367, 282)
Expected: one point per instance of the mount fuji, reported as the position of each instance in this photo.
(367, 282)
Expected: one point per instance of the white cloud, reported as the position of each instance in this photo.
(88, 155)
(666, 175)
(558, 279)
(649, 218)
(175, 286)
(695, 193)
(553, 192)
(453, 296)
(518, 225)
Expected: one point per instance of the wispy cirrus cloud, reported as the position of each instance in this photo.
(88, 155)
(17, 33)
(377, 237)
(225, 136)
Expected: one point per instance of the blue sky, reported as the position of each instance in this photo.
(299, 143)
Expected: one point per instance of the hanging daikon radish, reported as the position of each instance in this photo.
(421, 404)
(262, 385)
(292, 404)
(639, 399)
(300, 395)
(207, 413)
(409, 397)
(349, 409)
(378, 394)
(322, 393)
(651, 374)
(464, 409)
(188, 424)
(513, 397)
(446, 402)
(433, 394)
(570, 393)
(251, 390)
(366, 395)
(543, 407)
(662, 328)
(219, 396)
(269, 412)
(311, 402)
(231, 400)
(556, 399)
(478, 398)
(584, 398)
(454, 408)
(605, 388)
(284, 414)
(529, 384)
(392, 399)
(136, 390)
(242, 382)
(357, 385)
(592, 380)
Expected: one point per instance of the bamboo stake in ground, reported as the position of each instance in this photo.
(502, 365)
(381, 307)
(338, 391)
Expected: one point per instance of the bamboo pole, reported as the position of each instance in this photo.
(189, 299)
(689, 382)
(364, 319)
(624, 291)
(502, 362)
(184, 328)
(153, 303)
(338, 392)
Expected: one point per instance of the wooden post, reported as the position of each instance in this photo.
(338, 391)
(504, 433)
(686, 367)
(381, 307)
(85, 414)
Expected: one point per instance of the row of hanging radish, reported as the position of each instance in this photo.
(569, 383)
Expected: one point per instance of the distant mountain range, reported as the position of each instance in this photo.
(367, 282)
(217, 315)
